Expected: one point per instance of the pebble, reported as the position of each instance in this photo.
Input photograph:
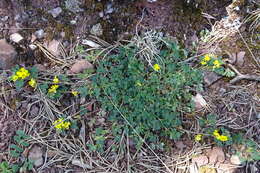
(4, 19)
(39, 34)
(7, 55)
(16, 37)
(55, 12)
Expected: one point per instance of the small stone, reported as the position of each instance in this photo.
(200, 160)
(235, 160)
(32, 46)
(39, 34)
(97, 30)
(73, 6)
(90, 43)
(73, 22)
(109, 9)
(16, 37)
(80, 66)
(4, 19)
(35, 155)
(7, 55)
(53, 47)
(258, 115)
(211, 77)
(200, 102)
(55, 12)
(101, 14)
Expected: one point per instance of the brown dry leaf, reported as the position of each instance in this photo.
(200, 160)
(216, 155)
(81, 65)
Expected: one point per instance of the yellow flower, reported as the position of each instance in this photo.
(203, 62)
(60, 124)
(216, 133)
(55, 80)
(53, 89)
(75, 93)
(206, 58)
(216, 64)
(22, 73)
(222, 138)
(14, 78)
(156, 67)
(198, 137)
(32, 83)
(138, 84)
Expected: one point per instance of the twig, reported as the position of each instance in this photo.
(242, 76)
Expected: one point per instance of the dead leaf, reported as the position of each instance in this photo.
(35, 154)
(240, 58)
(216, 155)
(53, 47)
(200, 160)
(81, 65)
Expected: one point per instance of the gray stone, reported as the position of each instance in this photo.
(7, 55)
(55, 12)
(211, 77)
(39, 34)
(73, 6)
(16, 37)
(97, 30)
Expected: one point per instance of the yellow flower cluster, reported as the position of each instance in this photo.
(60, 124)
(156, 67)
(206, 59)
(74, 93)
(22, 73)
(53, 88)
(216, 64)
(219, 137)
(198, 137)
(32, 83)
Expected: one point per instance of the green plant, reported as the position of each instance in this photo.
(99, 139)
(151, 100)
(20, 139)
(5, 168)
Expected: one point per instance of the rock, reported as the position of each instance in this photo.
(109, 9)
(39, 34)
(80, 163)
(80, 66)
(90, 43)
(73, 6)
(211, 77)
(53, 47)
(200, 102)
(4, 19)
(55, 12)
(240, 58)
(16, 37)
(235, 160)
(200, 160)
(7, 55)
(73, 22)
(216, 155)
(97, 30)
(35, 154)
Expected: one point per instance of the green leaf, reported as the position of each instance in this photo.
(19, 84)
(17, 148)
